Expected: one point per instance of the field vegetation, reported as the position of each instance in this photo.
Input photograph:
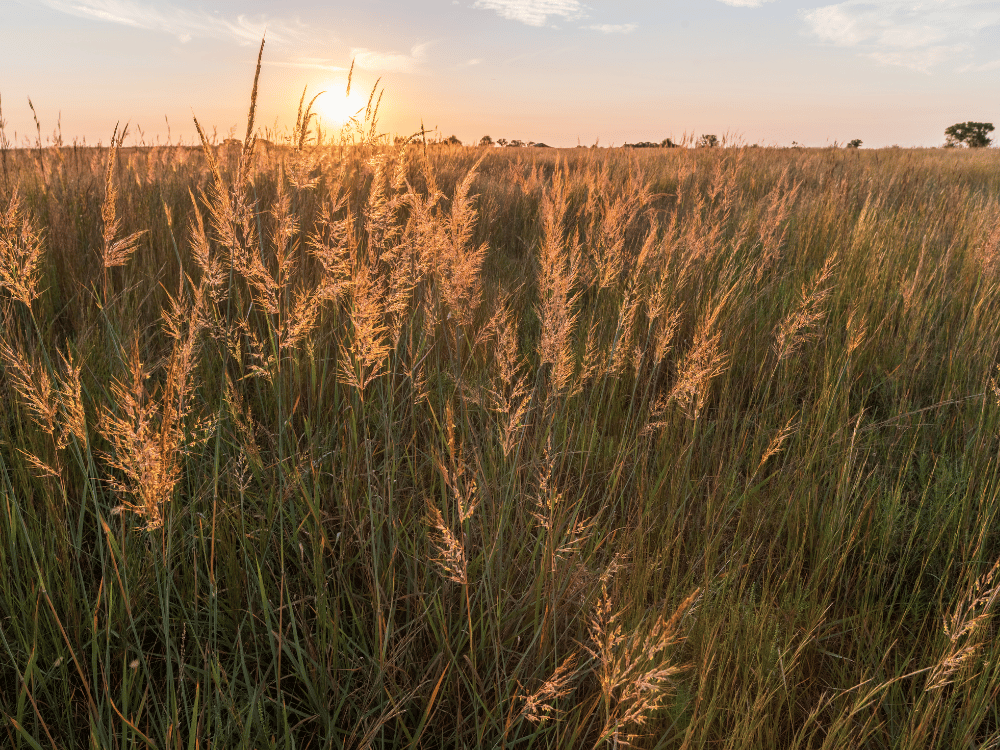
(368, 445)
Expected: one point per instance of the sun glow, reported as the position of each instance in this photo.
(336, 109)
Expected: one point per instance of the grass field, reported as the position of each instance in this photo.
(321, 446)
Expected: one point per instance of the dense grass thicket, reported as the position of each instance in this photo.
(314, 446)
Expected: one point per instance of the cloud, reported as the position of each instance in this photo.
(366, 59)
(179, 22)
(921, 60)
(533, 12)
(982, 68)
(308, 63)
(609, 28)
(917, 34)
(746, 3)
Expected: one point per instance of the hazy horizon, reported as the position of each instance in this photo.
(561, 72)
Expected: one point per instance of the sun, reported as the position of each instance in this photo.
(337, 109)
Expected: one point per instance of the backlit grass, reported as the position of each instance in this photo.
(360, 445)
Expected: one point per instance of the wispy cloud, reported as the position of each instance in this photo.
(308, 63)
(186, 24)
(982, 68)
(610, 28)
(183, 23)
(533, 12)
(917, 34)
(366, 59)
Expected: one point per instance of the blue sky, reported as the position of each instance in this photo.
(559, 71)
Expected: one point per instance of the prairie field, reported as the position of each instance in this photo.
(353, 444)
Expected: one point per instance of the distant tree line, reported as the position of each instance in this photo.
(967, 134)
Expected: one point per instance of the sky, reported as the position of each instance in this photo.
(562, 72)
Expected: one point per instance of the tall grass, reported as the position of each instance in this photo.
(361, 445)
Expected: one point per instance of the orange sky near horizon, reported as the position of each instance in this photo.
(889, 72)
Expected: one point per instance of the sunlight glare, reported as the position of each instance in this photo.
(336, 109)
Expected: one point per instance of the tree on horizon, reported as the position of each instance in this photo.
(971, 134)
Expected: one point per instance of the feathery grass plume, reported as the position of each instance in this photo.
(857, 330)
(369, 347)
(332, 244)
(987, 251)
(147, 435)
(652, 247)
(369, 112)
(461, 264)
(700, 365)
(250, 140)
(594, 358)
(633, 669)
(32, 383)
(540, 705)
(559, 270)
(261, 361)
(303, 120)
(183, 322)
(971, 613)
(611, 221)
(406, 272)
(242, 416)
(381, 229)
(663, 336)
(454, 472)
(20, 252)
(143, 449)
(116, 251)
(4, 147)
(70, 390)
(777, 441)
(510, 394)
(55, 407)
(563, 534)
(451, 557)
(773, 227)
(234, 223)
(657, 416)
(625, 334)
(300, 320)
(212, 273)
(797, 327)
(39, 156)
(213, 164)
